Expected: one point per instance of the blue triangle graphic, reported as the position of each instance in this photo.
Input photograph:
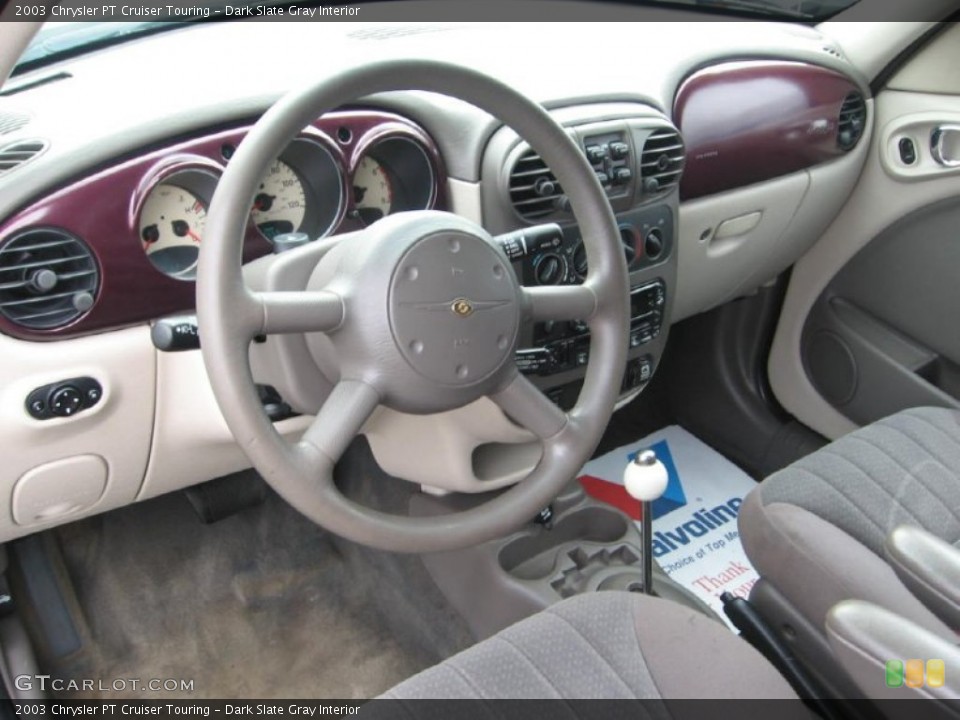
(674, 498)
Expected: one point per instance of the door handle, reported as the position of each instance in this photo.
(945, 145)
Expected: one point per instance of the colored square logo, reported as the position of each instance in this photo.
(894, 673)
(936, 673)
(914, 674)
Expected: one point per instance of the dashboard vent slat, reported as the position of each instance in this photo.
(11, 122)
(16, 154)
(48, 278)
(852, 121)
(534, 189)
(662, 160)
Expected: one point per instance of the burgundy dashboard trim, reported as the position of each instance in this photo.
(101, 209)
(746, 122)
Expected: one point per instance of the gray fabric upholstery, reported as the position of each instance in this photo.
(815, 530)
(904, 469)
(613, 645)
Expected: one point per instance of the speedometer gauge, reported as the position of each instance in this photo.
(171, 225)
(372, 190)
(280, 203)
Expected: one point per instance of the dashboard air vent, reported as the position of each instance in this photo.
(16, 154)
(661, 162)
(852, 120)
(534, 191)
(47, 279)
(10, 122)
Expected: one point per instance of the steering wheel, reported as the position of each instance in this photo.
(423, 310)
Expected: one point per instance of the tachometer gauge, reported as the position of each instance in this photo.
(280, 203)
(171, 225)
(372, 190)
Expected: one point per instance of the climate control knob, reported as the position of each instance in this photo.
(549, 269)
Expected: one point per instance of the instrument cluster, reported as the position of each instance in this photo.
(346, 171)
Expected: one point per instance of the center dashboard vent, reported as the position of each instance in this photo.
(16, 154)
(534, 190)
(661, 161)
(852, 121)
(48, 278)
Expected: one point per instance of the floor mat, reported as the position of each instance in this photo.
(695, 537)
(263, 604)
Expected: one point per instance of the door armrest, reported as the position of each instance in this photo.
(869, 641)
(930, 568)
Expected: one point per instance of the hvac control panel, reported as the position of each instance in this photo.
(566, 346)
(555, 255)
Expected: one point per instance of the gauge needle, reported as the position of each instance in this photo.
(182, 229)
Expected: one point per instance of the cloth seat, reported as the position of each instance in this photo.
(612, 645)
(815, 531)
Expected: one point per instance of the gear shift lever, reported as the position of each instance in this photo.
(645, 479)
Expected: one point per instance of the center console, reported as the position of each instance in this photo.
(554, 353)
(638, 160)
(578, 544)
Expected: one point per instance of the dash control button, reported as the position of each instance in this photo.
(65, 401)
(908, 151)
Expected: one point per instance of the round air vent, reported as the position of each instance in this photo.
(48, 278)
(852, 121)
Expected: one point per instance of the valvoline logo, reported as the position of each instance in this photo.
(699, 524)
(615, 494)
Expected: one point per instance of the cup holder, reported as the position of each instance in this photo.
(527, 557)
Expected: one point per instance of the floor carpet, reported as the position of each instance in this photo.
(262, 604)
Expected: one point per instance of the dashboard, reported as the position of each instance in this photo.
(723, 163)
(141, 244)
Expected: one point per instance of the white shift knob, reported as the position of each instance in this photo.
(645, 478)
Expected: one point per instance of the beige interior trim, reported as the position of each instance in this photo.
(117, 430)
(16, 36)
(872, 46)
(935, 68)
(880, 199)
(191, 440)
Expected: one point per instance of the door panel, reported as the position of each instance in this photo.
(871, 321)
(885, 335)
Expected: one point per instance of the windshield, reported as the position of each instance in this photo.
(58, 40)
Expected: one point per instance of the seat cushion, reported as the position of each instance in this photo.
(613, 645)
(816, 529)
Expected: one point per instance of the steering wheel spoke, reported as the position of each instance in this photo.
(296, 312)
(525, 404)
(559, 302)
(350, 405)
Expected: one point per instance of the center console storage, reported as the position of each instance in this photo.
(586, 546)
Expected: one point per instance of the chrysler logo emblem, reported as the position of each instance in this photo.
(462, 307)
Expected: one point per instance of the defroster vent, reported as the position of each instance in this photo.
(17, 153)
(48, 278)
